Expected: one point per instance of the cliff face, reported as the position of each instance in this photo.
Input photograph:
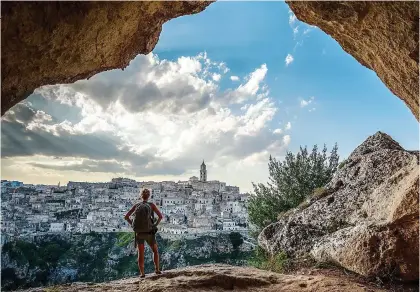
(61, 42)
(381, 35)
(56, 259)
(366, 220)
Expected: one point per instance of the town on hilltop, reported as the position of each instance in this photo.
(191, 208)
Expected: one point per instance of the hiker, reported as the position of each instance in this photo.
(145, 229)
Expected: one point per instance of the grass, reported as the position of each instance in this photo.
(175, 245)
(342, 163)
(278, 262)
(125, 238)
(319, 193)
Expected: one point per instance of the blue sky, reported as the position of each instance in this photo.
(216, 87)
(351, 101)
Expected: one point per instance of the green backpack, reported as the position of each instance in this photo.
(143, 218)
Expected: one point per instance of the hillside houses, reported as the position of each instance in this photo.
(189, 207)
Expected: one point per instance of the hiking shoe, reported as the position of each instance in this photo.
(142, 276)
(158, 272)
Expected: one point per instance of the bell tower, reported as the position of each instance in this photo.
(203, 172)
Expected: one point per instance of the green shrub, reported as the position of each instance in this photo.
(319, 193)
(291, 182)
(175, 245)
(262, 260)
(342, 163)
(125, 238)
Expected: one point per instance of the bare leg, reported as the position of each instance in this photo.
(156, 257)
(140, 258)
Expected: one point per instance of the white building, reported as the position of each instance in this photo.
(229, 225)
(57, 227)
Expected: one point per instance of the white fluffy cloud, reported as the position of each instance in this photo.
(254, 81)
(286, 139)
(157, 119)
(278, 131)
(234, 78)
(292, 18)
(304, 103)
(288, 126)
(289, 59)
(216, 77)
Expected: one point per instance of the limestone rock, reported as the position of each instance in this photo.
(220, 278)
(61, 42)
(368, 220)
(381, 35)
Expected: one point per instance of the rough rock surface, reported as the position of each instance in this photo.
(381, 35)
(61, 42)
(219, 278)
(367, 218)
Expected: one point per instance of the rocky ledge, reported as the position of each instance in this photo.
(220, 278)
(365, 220)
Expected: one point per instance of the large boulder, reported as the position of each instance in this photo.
(366, 218)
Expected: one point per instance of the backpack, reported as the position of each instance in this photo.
(143, 215)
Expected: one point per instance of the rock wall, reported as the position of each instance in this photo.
(381, 35)
(366, 220)
(61, 42)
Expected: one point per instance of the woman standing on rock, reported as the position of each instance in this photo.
(145, 229)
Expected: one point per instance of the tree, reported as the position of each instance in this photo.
(290, 182)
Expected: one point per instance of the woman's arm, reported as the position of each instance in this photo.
(127, 216)
(156, 210)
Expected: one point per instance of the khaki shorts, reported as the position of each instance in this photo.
(149, 238)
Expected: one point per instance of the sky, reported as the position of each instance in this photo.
(231, 85)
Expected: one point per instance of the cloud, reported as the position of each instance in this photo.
(216, 77)
(300, 30)
(254, 81)
(288, 126)
(304, 103)
(155, 118)
(181, 86)
(292, 18)
(307, 30)
(278, 131)
(289, 59)
(234, 78)
(295, 31)
(253, 88)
